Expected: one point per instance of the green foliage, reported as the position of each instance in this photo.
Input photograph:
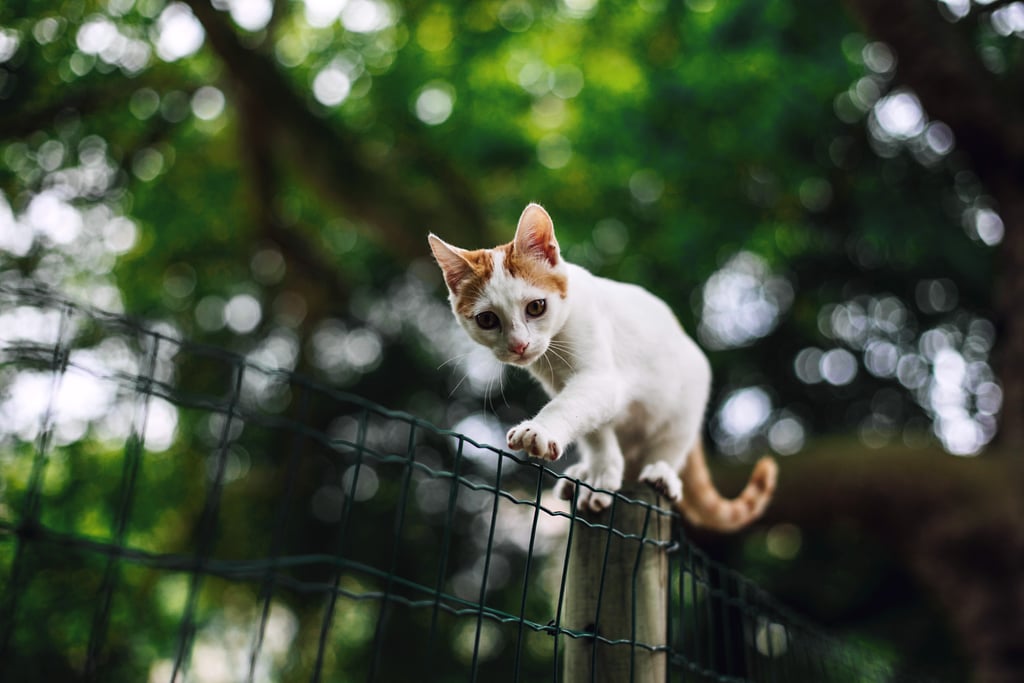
(268, 188)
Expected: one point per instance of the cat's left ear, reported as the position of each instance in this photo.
(535, 235)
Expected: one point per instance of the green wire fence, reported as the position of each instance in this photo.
(171, 511)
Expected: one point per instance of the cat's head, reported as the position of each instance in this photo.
(511, 299)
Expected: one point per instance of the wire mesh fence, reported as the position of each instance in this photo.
(171, 511)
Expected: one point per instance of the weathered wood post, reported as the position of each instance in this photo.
(617, 587)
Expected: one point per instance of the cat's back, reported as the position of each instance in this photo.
(642, 327)
(662, 373)
(629, 306)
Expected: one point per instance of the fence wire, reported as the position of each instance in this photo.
(171, 511)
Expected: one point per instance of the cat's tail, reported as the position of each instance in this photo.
(704, 506)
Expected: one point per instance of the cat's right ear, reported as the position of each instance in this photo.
(453, 264)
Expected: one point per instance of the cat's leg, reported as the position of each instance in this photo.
(587, 403)
(600, 467)
(663, 463)
(662, 478)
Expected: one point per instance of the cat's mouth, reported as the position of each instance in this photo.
(525, 359)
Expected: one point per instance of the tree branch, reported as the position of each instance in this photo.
(392, 214)
(950, 79)
(986, 115)
(296, 246)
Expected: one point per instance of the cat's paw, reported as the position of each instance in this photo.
(610, 480)
(536, 440)
(661, 477)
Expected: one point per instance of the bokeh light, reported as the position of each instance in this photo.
(178, 33)
(207, 103)
(251, 15)
(367, 16)
(742, 302)
(434, 103)
(332, 85)
(322, 13)
(945, 368)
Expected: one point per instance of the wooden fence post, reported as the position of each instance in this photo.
(603, 595)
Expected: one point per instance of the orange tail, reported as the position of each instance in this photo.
(704, 506)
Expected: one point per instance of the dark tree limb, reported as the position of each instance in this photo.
(375, 198)
(942, 66)
(299, 249)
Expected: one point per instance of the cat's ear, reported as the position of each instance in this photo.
(453, 264)
(535, 235)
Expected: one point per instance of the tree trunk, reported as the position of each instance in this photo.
(1010, 306)
(939, 62)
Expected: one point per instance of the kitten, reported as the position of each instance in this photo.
(626, 382)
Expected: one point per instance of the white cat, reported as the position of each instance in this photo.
(626, 382)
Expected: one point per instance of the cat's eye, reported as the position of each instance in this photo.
(487, 320)
(536, 308)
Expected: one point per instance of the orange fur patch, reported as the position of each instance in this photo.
(704, 506)
(472, 285)
(534, 271)
(525, 267)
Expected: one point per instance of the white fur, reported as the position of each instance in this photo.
(632, 394)
(627, 384)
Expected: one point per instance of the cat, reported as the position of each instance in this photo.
(626, 383)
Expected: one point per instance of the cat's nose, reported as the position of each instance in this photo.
(519, 347)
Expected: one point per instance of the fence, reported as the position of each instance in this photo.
(172, 511)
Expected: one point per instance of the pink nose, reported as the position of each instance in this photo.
(518, 348)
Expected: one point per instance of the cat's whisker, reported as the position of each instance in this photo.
(456, 387)
(564, 347)
(550, 367)
(490, 387)
(487, 395)
(501, 387)
(458, 358)
(559, 356)
(453, 359)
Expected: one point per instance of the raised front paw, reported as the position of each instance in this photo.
(588, 498)
(535, 439)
